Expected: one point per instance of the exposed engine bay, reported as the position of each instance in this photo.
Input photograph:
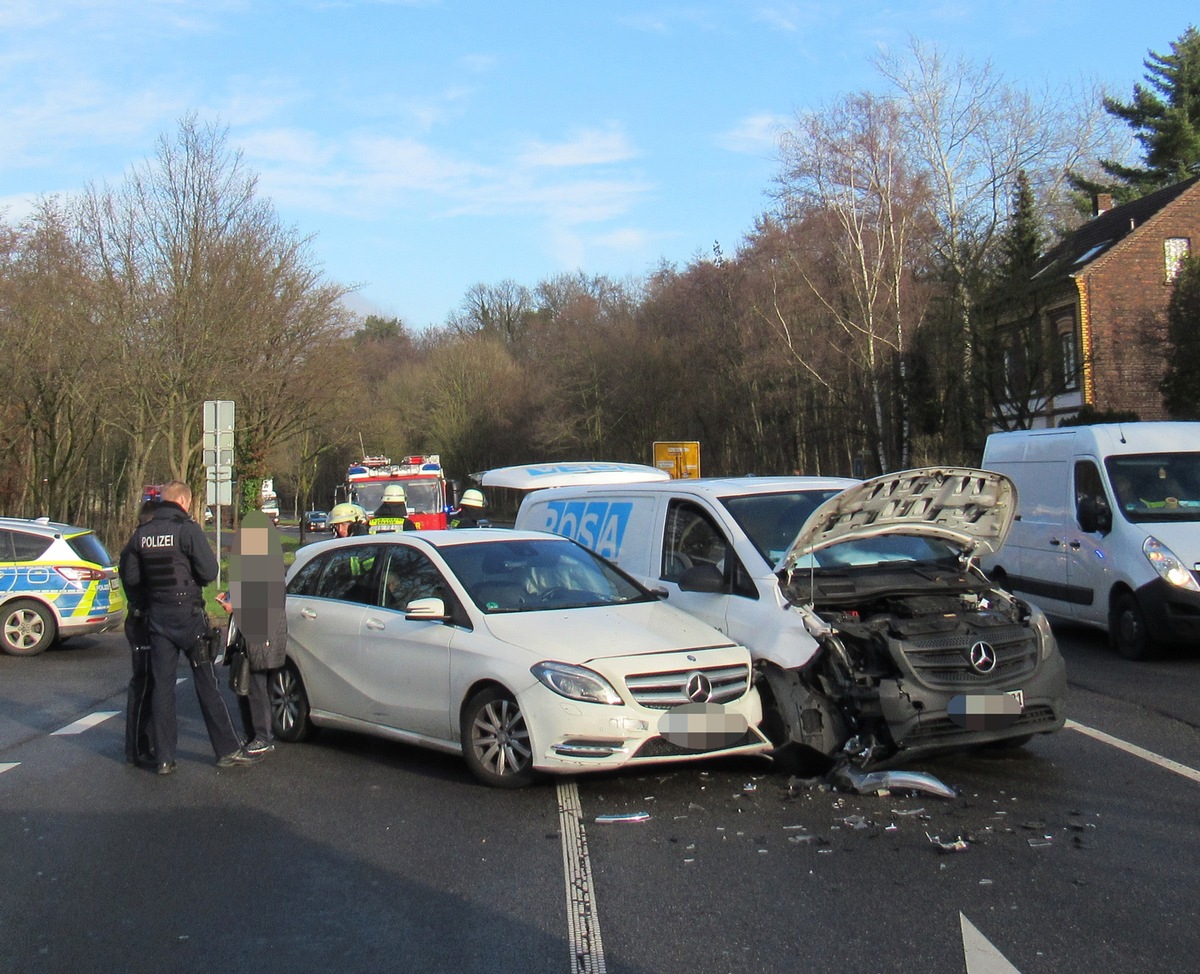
(896, 646)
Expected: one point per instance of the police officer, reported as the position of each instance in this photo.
(392, 513)
(470, 510)
(348, 520)
(138, 748)
(171, 564)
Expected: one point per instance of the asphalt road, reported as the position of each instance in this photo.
(353, 854)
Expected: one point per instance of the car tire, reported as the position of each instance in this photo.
(1127, 628)
(495, 740)
(290, 718)
(28, 628)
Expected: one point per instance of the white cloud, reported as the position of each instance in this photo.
(589, 147)
(754, 134)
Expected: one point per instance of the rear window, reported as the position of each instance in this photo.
(89, 548)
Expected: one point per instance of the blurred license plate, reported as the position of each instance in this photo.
(1018, 696)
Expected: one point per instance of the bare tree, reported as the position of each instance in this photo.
(845, 174)
(969, 133)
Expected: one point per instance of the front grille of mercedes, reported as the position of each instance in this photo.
(941, 662)
(662, 691)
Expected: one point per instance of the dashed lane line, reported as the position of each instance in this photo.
(583, 920)
(8, 765)
(85, 723)
(1137, 752)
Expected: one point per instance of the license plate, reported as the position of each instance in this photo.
(1019, 696)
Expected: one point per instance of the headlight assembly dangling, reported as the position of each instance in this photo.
(1168, 565)
(575, 682)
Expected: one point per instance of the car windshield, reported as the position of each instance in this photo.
(530, 575)
(1156, 486)
(420, 496)
(772, 521)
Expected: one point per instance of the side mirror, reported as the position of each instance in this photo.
(426, 610)
(702, 578)
(1094, 515)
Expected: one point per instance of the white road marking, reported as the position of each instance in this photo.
(9, 766)
(84, 723)
(980, 955)
(583, 921)
(1137, 752)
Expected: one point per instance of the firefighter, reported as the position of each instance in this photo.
(392, 513)
(470, 510)
(348, 520)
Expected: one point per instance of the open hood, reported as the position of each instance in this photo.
(569, 474)
(971, 508)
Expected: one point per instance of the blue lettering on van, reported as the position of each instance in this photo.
(573, 468)
(599, 525)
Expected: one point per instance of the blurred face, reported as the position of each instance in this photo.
(341, 530)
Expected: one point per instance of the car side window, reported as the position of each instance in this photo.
(693, 543)
(29, 547)
(6, 546)
(410, 575)
(1089, 489)
(349, 575)
(305, 580)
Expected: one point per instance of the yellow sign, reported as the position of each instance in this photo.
(681, 459)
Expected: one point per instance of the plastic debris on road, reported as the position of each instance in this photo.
(625, 817)
(952, 845)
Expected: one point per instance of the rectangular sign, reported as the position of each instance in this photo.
(679, 458)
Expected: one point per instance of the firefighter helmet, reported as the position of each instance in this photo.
(472, 498)
(394, 494)
(346, 513)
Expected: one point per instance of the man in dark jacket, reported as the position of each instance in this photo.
(138, 747)
(171, 564)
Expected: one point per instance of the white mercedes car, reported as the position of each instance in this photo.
(523, 651)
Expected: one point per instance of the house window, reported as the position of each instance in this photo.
(1176, 250)
(1068, 348)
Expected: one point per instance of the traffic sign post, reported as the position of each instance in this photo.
(218, 461)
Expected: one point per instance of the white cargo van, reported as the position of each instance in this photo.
(873, 629)
(1108, 528)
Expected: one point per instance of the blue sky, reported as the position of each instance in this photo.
(429, 146)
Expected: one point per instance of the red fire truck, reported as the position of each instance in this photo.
(421, 477)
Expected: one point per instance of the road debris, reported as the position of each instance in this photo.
(624, 817)
(953, 845)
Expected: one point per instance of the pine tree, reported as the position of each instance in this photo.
(1181, 381)
(1165, 117)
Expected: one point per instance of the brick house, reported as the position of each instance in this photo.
(1098, 294)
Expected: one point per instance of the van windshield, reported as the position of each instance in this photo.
(1156, 486)
(772, 521)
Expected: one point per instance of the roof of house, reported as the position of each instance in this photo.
(1096, 237)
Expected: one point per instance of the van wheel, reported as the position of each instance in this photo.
(1127, 628)
(28, 628)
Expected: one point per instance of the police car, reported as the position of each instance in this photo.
(56, 581)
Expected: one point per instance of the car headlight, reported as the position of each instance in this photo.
(575, 682)
(1168, 565)
(1041, 625)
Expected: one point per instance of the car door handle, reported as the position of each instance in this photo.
(1075, 544)
(1054, 542)
(307, 614)
(375, 624)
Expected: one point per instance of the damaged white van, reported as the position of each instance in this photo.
(874, 632)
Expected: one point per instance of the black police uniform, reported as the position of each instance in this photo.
(172, 564)
(138, 747)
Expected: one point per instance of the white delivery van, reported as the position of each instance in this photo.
(1108, 527)
(874, 631)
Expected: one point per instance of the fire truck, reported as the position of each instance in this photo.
(421, 477)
